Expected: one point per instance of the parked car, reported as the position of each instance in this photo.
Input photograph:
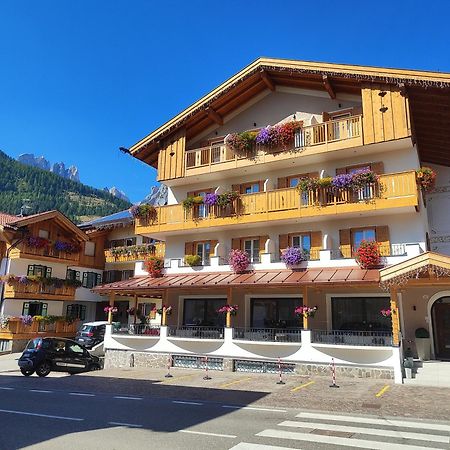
(91, 333)
(43, 355)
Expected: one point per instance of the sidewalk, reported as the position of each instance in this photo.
(8, 362)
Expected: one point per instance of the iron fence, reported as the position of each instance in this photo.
(197, 332)
(365, 338)
(197, 362)
(268, 334)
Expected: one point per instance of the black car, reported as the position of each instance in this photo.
(90, 334)
(42, 355)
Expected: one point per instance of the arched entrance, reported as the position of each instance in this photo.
(440, 316)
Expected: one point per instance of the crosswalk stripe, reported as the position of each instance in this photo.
(250, 446)
(368, 431)
(374, 421)
(345, 442)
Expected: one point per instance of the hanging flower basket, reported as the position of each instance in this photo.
(154, 266)
(68, 247)
(241, 143)
(292, 256)
(368, 254)
(110, 309)
(37, 242)
(426, 178)
(239, 261)
(305, 311)
(144, 212)
(232, 309)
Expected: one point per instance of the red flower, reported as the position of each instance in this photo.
(368, 254)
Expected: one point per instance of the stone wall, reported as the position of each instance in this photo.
(127, 358)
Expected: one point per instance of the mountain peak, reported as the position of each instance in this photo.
(58, 168)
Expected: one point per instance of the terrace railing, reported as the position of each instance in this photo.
(363, 338)
(196, 332)
(268, 334)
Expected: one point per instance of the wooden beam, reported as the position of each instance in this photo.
(267, 80)
(328, 87)
(213, 115)
(305, 303)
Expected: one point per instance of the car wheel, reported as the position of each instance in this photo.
(94, 366)
(43, 369)
(26, 372)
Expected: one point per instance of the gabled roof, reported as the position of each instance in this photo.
(121, 217)
(59, 217)
(265, 73)
(6, 218)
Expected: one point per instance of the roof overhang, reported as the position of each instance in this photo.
(266, 73)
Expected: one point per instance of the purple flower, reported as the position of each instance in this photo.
(238, 260)
(23, 280)
(210, 199)
(26, 320)
(343, 181)
(292, 256)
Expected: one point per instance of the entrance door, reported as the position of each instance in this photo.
(441, 322)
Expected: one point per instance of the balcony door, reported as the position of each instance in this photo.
(441, 326)
(274, 312)
(202, 312)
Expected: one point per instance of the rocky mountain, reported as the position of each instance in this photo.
(58, 168)
(157, 196)
(117, 193)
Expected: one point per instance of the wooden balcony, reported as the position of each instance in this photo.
(134, 252)
(319, 138)
(39, 291)
(395, 190)
(15, 329)
(46, 254)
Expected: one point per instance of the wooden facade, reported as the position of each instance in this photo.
(171, 156)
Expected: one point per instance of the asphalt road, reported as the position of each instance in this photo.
(49, 417)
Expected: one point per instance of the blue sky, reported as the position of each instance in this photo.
(81, 78)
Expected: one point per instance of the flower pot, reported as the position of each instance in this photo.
(423, 346)
(409, 373)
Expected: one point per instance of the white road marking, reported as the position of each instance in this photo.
(40, 391)
(128, 398)
(186, 403)
(81, 394)
(203, 433)
(253, 408)
(7, 388)
(121, 424)
(345, 442)
(375, 421)
(248, 446)
(365, 430)
(24, 413)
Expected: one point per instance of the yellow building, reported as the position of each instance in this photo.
(300, 168)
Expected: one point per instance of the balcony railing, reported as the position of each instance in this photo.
(47, 252)
(268, 334)
(29, 289)
(134, 252)
(391, 190)
(385, 250)
(364, 338)
(333, 134)
(196, 332)
(139, 329)
(16, 326)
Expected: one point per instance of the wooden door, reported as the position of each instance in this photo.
(441, 315)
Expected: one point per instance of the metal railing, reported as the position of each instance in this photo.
(385, 250)
(143, 329)
(364, 338)
(268, 334)
(196, 332)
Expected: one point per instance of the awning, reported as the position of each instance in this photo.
(282, 278)
(428, 265)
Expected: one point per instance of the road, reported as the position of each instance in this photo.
(43, 415)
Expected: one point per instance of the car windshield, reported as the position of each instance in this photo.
(87, 328)
(34, 344)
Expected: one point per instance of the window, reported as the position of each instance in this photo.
(89, 248)
(203, 312)
(362, 234)
(201, 211)
(72, 275)
(76, 311)
(43, 234)
(39, 271)
(274, 312)
(203, 250)
(127, 274)
(91, 279)
(251, 188)
(34, 309)
(111, 276)
(251, 246)
(359, 313)
(354, 169)
(130, 241)
(147, 308)
(302, 241)
(75, 348)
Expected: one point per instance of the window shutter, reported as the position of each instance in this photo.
(378, 167)
(98, 279)
(313, 174)
(325, 116)
(30, 270)
(190, 194)
(341, 171)
(188, 248)
(345, 243)
(48, 272)
(316, 244)
(236, 188)
(282, 183)
(212, 245)
(382, 236)
(283, 242)
(85, 277)
(262, 243)
(236, 244)
(261, 185)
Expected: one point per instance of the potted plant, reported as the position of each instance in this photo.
(368, 254)
(238, 260)
(423, 344)
(193, 260)
(305, 311)
(154, 266)
(292, 256)
(426, 178)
